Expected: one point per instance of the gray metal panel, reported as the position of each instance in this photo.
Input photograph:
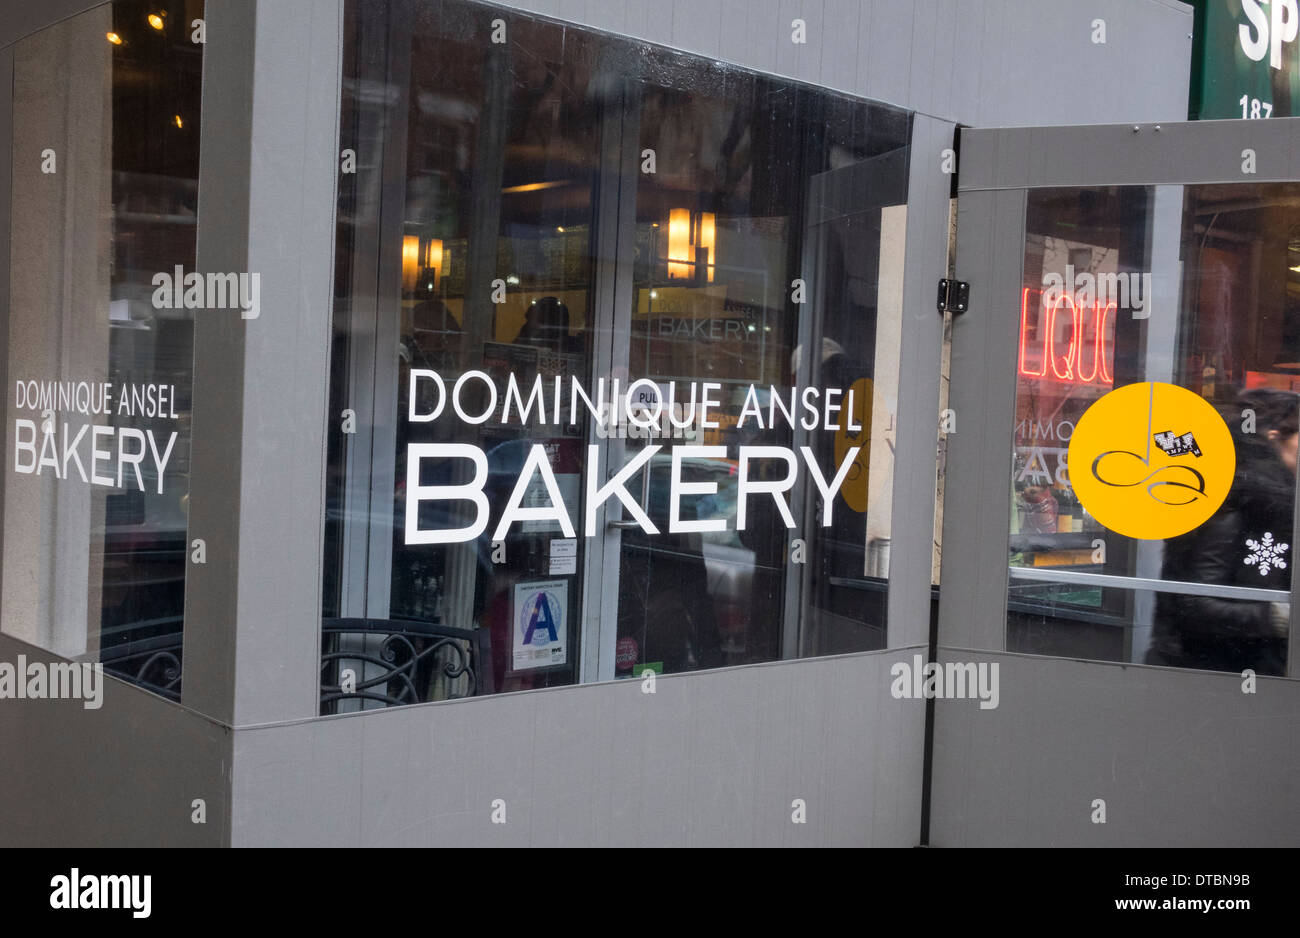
(1176, 154)
(918, 386)
(602, 15)
(652, 21)
(839, 41)
(290, 240)
(1181, 758)
(938, 55)
(217, 455)
(713, 758)
(702, 33)
(266, 186)
(886, 55)
(800, 60)
(760, 27)
(22, 19)
(123, 775)
(732, 34)
(966, 95)
(977, 506)
(977, 62)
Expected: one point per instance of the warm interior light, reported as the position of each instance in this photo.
(179, 122)
(155, 21)
(679, 244)
(114, 38)
(704, 239)
(688, 235)
(433, 259)
(410, 261)
(535, 186)
(1295, 269)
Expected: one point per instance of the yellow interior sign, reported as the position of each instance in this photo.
(855, 489)
(1151, 460)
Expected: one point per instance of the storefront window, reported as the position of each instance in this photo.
(105, 191)
(1156, 425)
(616, 352)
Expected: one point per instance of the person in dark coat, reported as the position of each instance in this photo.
(1245, 543)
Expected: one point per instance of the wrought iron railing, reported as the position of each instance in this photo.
(394, 662)
(152, 663)
(402, 662)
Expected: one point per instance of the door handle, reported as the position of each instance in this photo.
(622, 525)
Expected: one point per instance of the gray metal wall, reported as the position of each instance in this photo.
(710, 758)
(984, 63)
(707, 760)
(126, 774)
(1180, 758)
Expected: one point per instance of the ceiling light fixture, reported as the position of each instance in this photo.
(535, 186)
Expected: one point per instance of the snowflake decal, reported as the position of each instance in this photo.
(1265, 554)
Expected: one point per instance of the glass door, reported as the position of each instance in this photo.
(757, 333)
(1139, 361)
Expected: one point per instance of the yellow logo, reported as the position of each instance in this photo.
(1151, 460)
(855, 489)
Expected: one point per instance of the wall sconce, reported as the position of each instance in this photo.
(410, 262)
(691, 239)
(433, 260)
(415, 260)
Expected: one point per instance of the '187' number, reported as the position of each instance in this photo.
(1251, 108)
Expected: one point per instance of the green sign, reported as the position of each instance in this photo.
(1247, 61)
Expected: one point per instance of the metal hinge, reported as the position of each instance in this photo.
(954, 296)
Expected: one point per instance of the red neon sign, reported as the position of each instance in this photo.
(1067, 365)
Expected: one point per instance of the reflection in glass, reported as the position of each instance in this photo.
(95, 551)
(519, 240)
(1204, 285)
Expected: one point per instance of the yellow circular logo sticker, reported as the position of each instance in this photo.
(1151, 460)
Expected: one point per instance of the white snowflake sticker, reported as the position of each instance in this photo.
(1265, 554)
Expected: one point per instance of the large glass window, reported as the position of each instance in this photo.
(105, 191)
(616, 350)
(1156, 425)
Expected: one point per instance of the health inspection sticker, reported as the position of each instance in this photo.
(1151, 460)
